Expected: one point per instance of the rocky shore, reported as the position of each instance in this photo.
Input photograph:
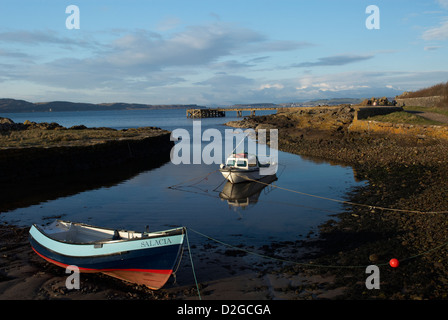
(34, 150)
(406, 174)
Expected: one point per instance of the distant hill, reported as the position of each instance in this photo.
(254, 105)
(323, 102)
(6, 105)
(312, 103)
(17, 106)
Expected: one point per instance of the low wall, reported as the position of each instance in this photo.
(31, 163)
(420, 102)
(420, 131)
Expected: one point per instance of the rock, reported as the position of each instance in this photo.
(7, 124)
(43, 125)
(6, 121)
(78, 127)
(373, 257)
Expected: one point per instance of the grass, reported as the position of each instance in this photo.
(67, 137)
(404, 117)
(440, 110)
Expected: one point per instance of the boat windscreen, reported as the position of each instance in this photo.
(241, 163)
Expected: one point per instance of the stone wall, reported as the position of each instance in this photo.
(36, 162)
(420, 102)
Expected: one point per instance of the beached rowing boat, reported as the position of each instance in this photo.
(146, 258)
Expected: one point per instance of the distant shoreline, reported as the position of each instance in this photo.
(8, 105)
(21, 106)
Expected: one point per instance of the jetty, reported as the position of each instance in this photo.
(221, 112)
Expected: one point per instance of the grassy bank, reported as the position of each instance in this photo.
(405, 117)
(70, 137)
(438, 110)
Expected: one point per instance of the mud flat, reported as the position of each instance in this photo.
(222, 273)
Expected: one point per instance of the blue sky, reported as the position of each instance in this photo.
(219, 52)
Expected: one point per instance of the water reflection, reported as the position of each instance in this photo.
(191, 195)
(29, 192)
(243, 195)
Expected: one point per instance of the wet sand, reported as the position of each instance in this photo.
(222, 273)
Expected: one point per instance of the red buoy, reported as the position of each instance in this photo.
(394, 263)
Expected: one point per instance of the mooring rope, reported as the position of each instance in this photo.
(347, 202)
(291, 261)
(176, 187)
(309, 195)
(192, 264)
(311, 264)
(192, 179)
(270, 257)
(178, 265)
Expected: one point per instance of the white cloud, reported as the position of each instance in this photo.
(44, 38)
(441, 31)
(431, 48)
(195, 45)
(337, 60)
(443, 3)
(269, 86)
(140, 59)
(227, 82)
(437, 33)
(363, 84)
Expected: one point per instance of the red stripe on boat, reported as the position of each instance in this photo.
(161, 271)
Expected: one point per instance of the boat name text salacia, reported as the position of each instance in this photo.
(155, 242)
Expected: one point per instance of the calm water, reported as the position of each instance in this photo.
(259, 216)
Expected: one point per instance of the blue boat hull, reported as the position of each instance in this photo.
(151, 266)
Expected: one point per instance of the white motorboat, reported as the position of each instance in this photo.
(244, 167)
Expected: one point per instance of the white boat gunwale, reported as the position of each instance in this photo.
(233, 169)
(137, 236)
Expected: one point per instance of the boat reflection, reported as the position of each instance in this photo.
(244, 194)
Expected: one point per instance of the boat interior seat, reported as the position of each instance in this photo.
(76, 234)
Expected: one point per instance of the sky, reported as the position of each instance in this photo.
(211, 52)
